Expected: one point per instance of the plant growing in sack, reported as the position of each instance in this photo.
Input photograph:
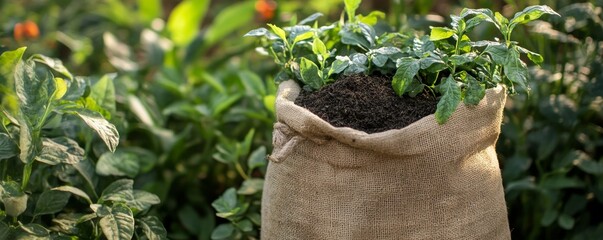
(371, 141)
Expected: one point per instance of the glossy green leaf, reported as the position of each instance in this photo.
(183, 23)
(451, 97)
(534, 57)
(28, 146)
(60, 150)
(76, 89)
(407, 69)
(223, 231)
(440, 33)
(119, 224)
(339, 65)
(462, 59)
(75, 191)
(152, 228)
(119, 163)
(310, 74)
(251, 186)
(229, 19)
(8, 148)
(415, 88)
(8, 64)
(474, 92)
(279, 32)
(33, 91)
(531, 13)
(498, 52)
(53, 63)
(105, 130)
(61, 88)
(142, 200)
(51, 201)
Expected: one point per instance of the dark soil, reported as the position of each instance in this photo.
(366, 103)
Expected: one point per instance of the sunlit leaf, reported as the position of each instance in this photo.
(103, 93)
(279, 32)
(229, 19)
(531, 13)
(76, 191)
(350, 7)
(60, 150)
(440, 33)
(53, 63)
(183, 23)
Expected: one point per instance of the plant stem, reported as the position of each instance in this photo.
(241, 171)
(26, 175)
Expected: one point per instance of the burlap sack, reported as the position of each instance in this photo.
(424, 181)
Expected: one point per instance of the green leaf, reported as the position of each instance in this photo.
(51, 201)
(28, 146)
(340, 64)
(152, 228)
(303, 36)
(257, 158)
(61, 88)
(451, 97)
(358, 34)
(558, 181)
(350, 8)
(310, 74)
(229, 19)
(549, 216)
(251, 186)
(149, 9)
(258, 32)
(8, 64)
(60, 150)
(76, 191)
(183, 23)
(588, 165)
(103, 93)
(498, 52)
(119, 163)
(15, 200)
(105, 130)
(143, 200)
(440, 33)
(566, 221)
(462, 59)
(117, 190)
(119, 53)
(407, 69)
(34, 92)
(54, 64)
(474, 92)
(35, 229)
(223, 231)
(279, 32)
(310, 18)
(531, 13)
(190, 219)
(269, 103)
(534, 57)
(227, 202)
(77, 88)
(8, 148)
(415, 88)
(319, 48)
(119, 224)
(516, 70)
(4, 230)
(253, 83)
(87, 170)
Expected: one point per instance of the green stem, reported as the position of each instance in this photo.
(26, 175)
(46, 112)
(241, 171)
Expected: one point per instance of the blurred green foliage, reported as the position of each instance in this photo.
(193, 97)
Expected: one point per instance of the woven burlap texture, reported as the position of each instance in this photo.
(424, 181)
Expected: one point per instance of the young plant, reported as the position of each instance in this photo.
(446, 63)
(42, 164)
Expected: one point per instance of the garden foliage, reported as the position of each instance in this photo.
(194, 110)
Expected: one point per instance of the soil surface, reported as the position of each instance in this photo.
(366, 103)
